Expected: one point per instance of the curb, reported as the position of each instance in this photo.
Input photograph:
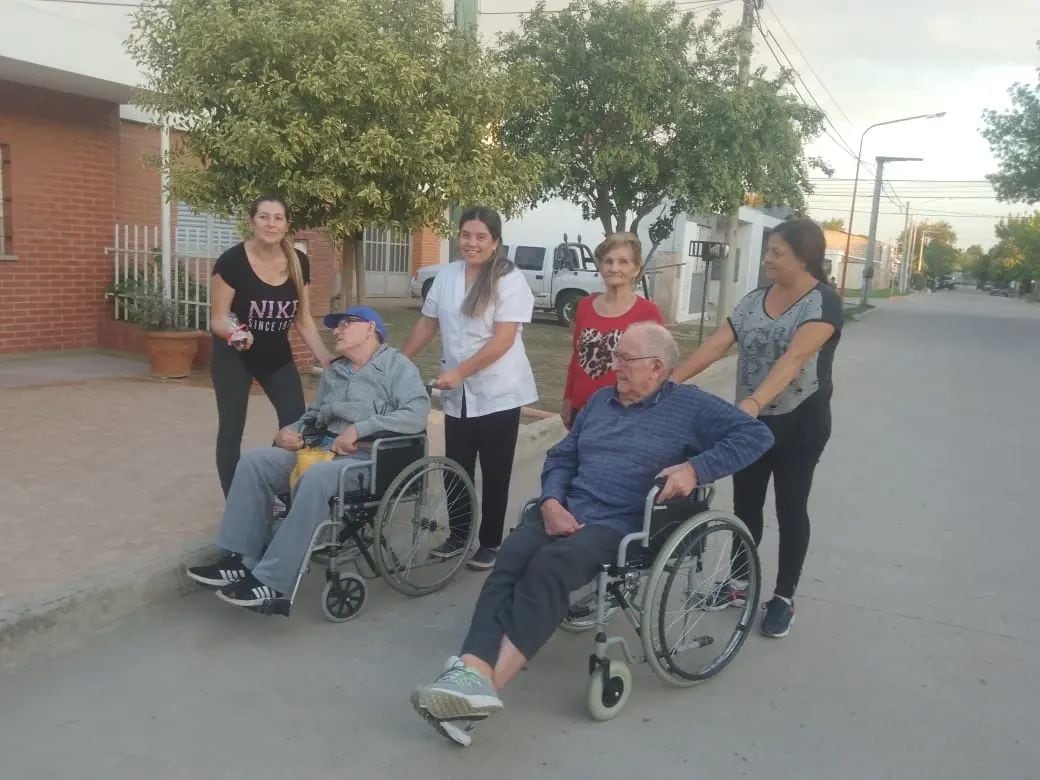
(49, 623)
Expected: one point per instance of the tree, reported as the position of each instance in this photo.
(363, 113)
(1017, 253)
(640, 115)
(834, 223)
(1014, 137)
(939, 259)
(971, 260)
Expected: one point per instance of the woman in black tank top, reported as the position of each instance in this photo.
(258, 291)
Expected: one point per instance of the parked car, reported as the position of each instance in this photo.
(559, 276)
(946, 283)
(1004, 292)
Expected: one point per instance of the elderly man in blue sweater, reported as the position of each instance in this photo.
(371, 388)
(594, 486)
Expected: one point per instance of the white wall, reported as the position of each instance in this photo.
(545, 225)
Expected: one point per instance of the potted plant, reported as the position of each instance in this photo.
(171, 345)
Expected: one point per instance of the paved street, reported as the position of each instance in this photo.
(918, 623)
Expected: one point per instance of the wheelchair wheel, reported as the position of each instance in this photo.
(582, 615)
(343, 597)
(414, 518)
(608, 692)
(692, 624)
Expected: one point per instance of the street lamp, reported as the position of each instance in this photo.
(855, 185)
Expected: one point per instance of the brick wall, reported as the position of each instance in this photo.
(426, 249)
(63, 157)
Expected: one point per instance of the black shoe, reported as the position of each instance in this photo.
(226, 571)
(248, 592)
(483, 559)
(449, 549)
(778, 619)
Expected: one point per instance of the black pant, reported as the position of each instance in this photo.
(527, 594)
(493, 438)
(791, 463)
(231, 383)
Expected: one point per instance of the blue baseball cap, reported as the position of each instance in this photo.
(357, 314)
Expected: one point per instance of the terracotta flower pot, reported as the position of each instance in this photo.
(171, 353)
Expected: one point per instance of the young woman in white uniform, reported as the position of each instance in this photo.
(479, 306)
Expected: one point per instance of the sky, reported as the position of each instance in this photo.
(863, 63)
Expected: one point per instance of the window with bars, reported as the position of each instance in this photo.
(6, 231)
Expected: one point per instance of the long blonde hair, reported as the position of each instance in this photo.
(485, 287)
(292, 257)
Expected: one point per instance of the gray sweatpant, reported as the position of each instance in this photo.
(261, 475)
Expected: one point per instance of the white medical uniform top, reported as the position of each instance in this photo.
(508, 382)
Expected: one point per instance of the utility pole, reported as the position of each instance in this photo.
(726, 263)
(904, 258)
(868, 267)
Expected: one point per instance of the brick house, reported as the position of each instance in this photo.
(74, 166)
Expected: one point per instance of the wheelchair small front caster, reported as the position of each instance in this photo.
(343, 597)
(609, 686)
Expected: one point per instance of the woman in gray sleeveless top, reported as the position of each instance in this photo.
(786, 334)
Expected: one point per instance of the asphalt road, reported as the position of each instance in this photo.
(918, 623)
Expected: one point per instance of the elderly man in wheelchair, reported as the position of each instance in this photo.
(371, 389)
(594, 501)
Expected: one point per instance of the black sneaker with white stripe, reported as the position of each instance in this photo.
(248, 592)
(227, 570)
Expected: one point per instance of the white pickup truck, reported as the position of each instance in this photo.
(559, 277)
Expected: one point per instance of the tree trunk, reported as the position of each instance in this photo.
(359, 265)
(351, 270)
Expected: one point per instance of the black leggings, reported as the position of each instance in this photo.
(792, 470)
(492, 437)
(231, 382)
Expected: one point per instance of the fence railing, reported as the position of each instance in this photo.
(137, 264)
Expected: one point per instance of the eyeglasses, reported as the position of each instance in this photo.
(618, 357)
(350, 320)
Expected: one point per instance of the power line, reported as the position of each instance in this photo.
(809, 64)
(932, 181)
(841, 143)
(951, 215)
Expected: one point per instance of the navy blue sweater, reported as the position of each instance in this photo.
(606, 465)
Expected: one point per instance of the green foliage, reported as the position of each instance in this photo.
(835, 223)
(638, 115)
(1016, 256)
(361, 112)
(939, 259)
(1014, 137)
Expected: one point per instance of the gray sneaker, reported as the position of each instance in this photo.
(460, 693)
(482, 559)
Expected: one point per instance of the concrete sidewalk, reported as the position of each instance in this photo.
(112, 491)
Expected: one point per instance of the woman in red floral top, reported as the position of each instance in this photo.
(601, 319)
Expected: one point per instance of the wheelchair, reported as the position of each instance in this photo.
(672, 580)
(388, 528)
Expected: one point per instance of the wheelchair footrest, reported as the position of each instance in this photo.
(274, 607)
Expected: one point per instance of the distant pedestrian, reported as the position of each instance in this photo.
(834, 282)
(480, 306)
(262, 282)
(601, 319)
(786, 334)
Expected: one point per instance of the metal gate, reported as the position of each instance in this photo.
(388, 262)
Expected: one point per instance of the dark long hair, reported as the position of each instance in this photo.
(808, 243)
(293, 259)
(485, 287)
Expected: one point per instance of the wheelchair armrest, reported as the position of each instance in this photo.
(377, 435)
(701, 495)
